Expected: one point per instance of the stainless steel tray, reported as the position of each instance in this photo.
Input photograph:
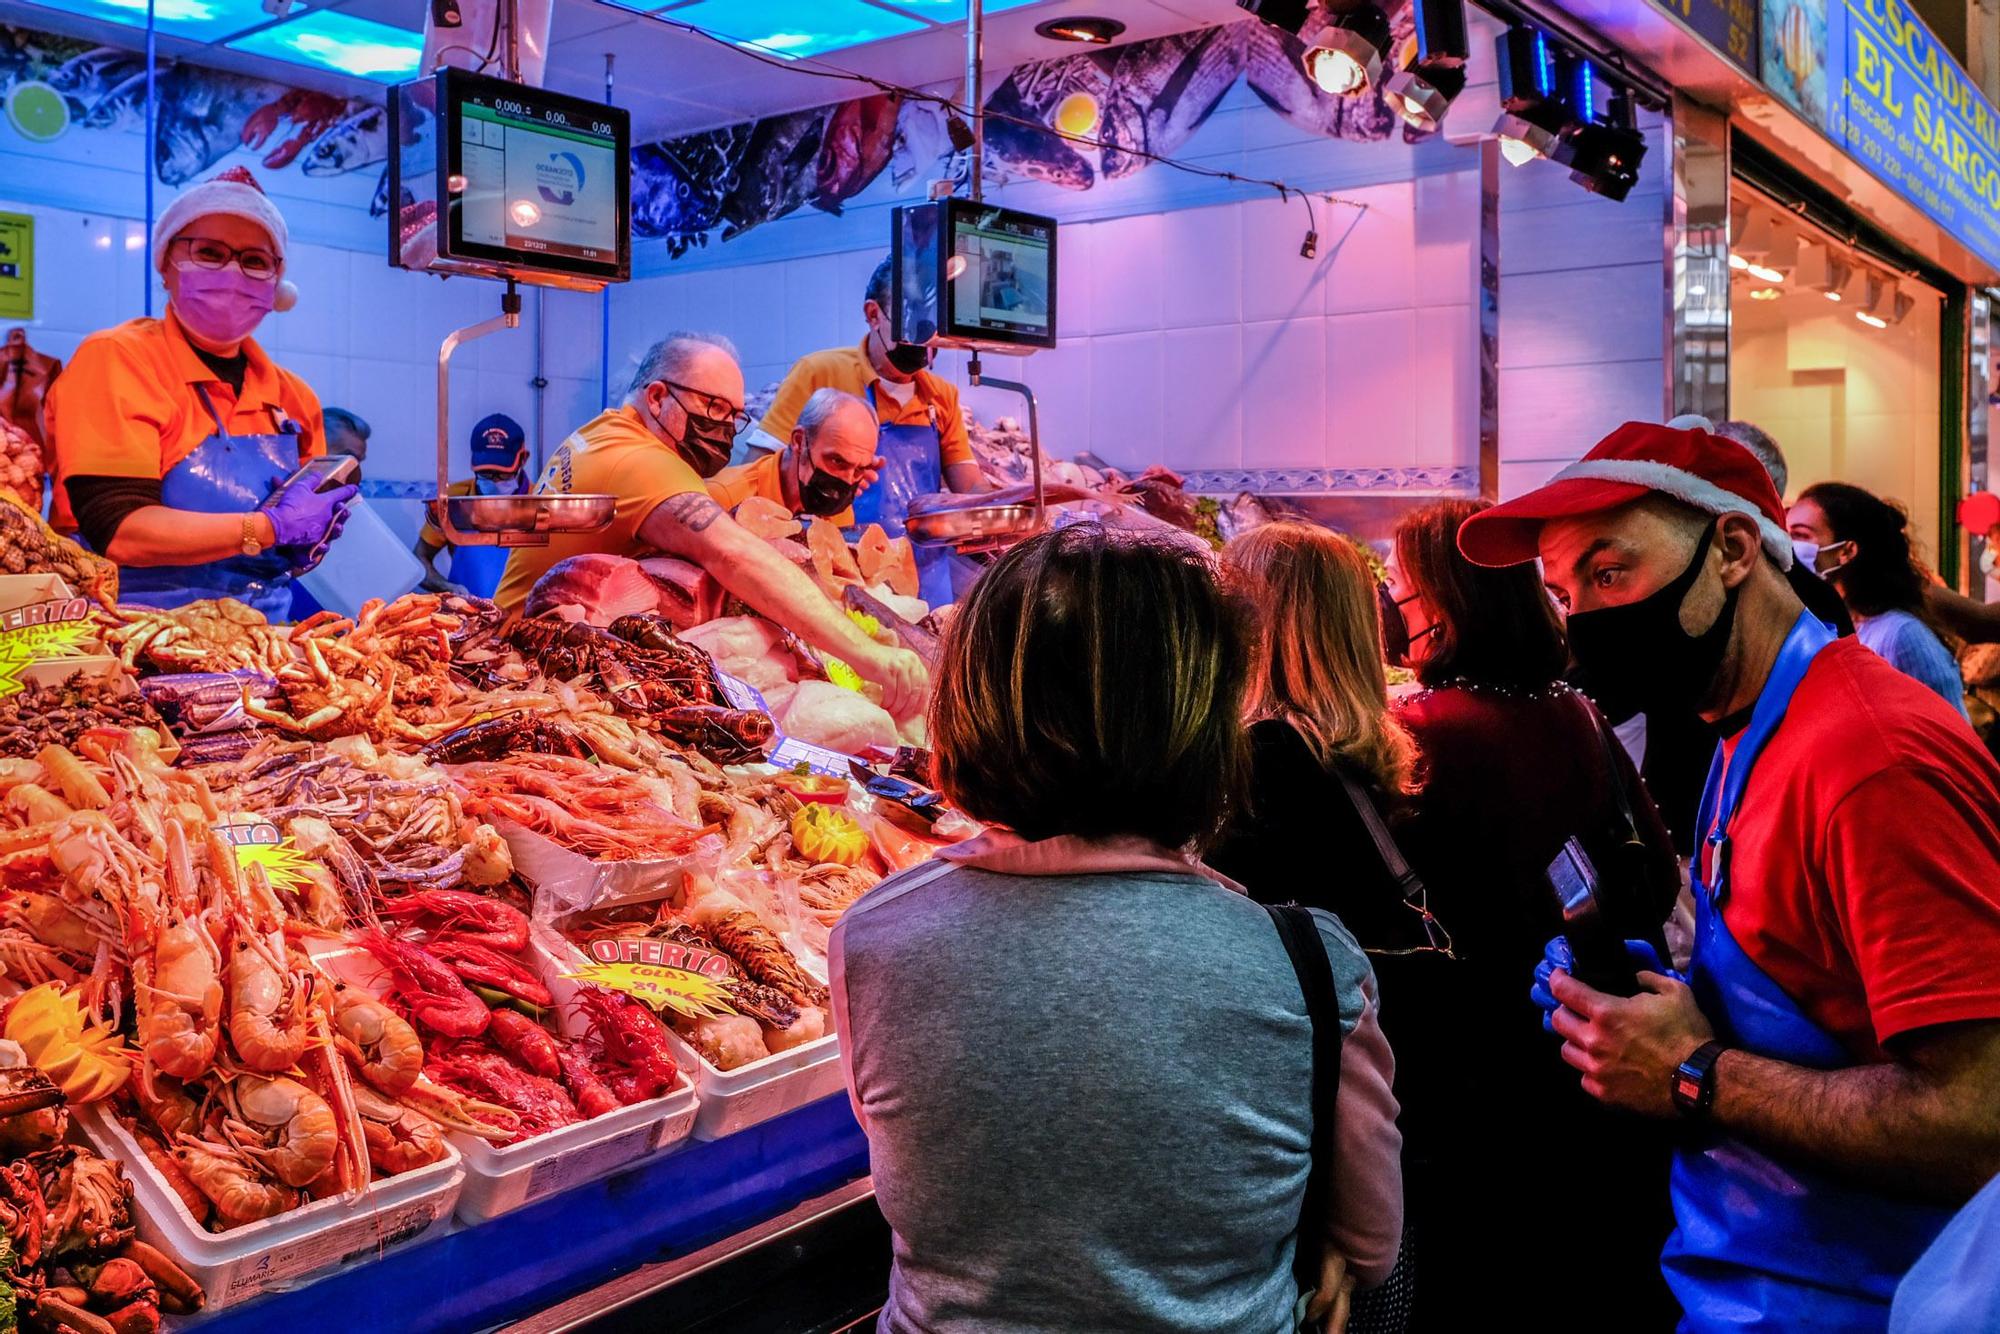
(531, 514)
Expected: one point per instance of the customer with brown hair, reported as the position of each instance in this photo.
(1514, 763)
(1321, 736)
(1084, 1063)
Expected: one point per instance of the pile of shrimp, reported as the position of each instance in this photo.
(604, 814)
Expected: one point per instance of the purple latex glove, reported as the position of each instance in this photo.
(303, 559)
(303, 517)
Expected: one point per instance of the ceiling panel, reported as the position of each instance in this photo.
(793, 28)
(196, 20)
(337, 41)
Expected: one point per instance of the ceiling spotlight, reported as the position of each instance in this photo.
(1088, 29)
(1766, 294)
(1766, 272)
(1737, 261)
(1344, 56)
(1878, 302)
(1433, 73)
(1817, 270)
(1532, 112)
(1602, 154)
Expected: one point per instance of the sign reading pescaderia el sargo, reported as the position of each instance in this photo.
(1729, 25)
(1912, 116)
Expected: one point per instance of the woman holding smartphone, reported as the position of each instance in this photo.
(174, 438)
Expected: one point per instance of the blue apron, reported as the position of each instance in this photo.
(226, 474)
(910, 468)
(1760, 1244)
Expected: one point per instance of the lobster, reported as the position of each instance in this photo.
(508, 734)
(478, 918)
(726, 736)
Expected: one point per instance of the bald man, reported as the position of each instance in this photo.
(829, 460)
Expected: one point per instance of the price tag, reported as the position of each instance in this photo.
(260, 843)
(58, 628)
(741, 694)
(792, 752)
(664, 974)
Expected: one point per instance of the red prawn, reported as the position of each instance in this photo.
(488, 967)
(475, 917)
(634, 1041)
(593, 1096)
(484, 1073)
(436, 997)
(526, 1041)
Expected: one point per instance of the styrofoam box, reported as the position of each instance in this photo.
(733, 1100)
(275, 1254)
(499, 1178)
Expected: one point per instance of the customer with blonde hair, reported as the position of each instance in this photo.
(1323, 743)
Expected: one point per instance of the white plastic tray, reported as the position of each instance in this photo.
(501, 1178)
(568, 881)
(733, 1100)
(280, 1253)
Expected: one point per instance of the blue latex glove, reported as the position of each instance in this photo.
(303, 560)
(1557, 954)
(302, 517)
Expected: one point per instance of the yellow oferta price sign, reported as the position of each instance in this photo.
(661, 973)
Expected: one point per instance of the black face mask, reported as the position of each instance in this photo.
(909, 358)
(1395, 628)
(825, 495)
(1637, 658)
(706, 442)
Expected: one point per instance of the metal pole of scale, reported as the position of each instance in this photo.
(150, 150)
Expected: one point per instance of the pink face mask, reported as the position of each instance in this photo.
(222, 305)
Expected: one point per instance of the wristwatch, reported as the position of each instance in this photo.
(252, 544)
(1694, 1080)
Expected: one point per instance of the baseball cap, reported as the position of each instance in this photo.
(498, 444)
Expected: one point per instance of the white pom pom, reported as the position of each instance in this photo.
(286, 297)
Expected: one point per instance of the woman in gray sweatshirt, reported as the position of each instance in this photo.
(1083, 1059)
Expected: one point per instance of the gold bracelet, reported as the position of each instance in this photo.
(252, 545)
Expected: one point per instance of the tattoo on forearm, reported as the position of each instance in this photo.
(692, 510)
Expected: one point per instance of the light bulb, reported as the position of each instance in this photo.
(1767, 273)
(1337, 73)
(524, 212)
(1872, 321)
(1519, 152)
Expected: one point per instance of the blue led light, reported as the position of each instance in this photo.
(340, 42)
(1586, 90)
(794, 28)
(1545, 64)
(196, 20)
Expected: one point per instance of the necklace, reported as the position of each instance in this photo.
(1553, 690)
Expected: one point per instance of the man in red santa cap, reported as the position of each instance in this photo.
(173, 437)
(1836, 1042)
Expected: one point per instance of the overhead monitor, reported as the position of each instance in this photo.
(504, 180)
(974, 275)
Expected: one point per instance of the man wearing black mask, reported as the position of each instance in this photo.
(920, 432)
(829, 460)
(1836, 1042)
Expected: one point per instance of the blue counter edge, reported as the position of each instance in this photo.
(522, 1262)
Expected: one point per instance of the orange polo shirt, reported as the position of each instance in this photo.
(759, 477)
(612, 454)
(125, 406)
(935, 401)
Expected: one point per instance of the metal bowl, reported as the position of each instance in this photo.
(539, 514)
(987, 523)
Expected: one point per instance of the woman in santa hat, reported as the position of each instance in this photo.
(173, 437)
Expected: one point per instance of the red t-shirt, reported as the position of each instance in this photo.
(1865, 862)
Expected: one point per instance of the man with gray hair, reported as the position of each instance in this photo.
(1754, 438)
(653, 454)
(829, 460)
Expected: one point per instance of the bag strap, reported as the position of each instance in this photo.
(1607, 742)
(1407, 882)
(1300, 934)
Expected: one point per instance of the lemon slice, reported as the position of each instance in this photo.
(37, 111)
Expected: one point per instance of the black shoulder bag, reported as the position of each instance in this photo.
(1300, 933)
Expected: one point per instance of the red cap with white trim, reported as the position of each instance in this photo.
(1694, 466)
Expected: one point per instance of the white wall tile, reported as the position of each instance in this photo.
(755, 316)
(1126, 274)
(1445, 387)
(1582, 316)
(1277, 283)
(1076, 250)
(1201, 262)
(1126, 414)
(818, 312)
(1203, 426)
(1372, 388)
(1374, 252)
(1559, 412)
(1518, 478)
(1284, 393)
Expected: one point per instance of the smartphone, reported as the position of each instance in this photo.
(1595, 942)
(326, 472)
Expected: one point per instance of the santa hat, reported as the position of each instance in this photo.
(232, 193)
(1688, 463)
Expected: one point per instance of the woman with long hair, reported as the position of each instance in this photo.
(1321, 735)
(1083, 1063)
(1864, 551)
(1514, 763)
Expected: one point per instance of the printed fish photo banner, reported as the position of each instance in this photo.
(1075, 122)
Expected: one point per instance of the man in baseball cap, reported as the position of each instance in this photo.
(1837, 1039)
(499, 460)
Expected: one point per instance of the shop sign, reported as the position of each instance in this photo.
(59, 628)
(1730, 26)
(259, 843)
(17, 266)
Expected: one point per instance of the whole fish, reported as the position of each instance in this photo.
(1163, 90)
(120, 106)
(923, 145)
(777, 171)
(202, 115)
(1272, 64)
(860, 136)
(362, 140)
(1018, 145)
(678, 186)
(378, 207)
(86, 77)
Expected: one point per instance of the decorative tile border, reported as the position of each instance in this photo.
(392, 490)
(1332, 481)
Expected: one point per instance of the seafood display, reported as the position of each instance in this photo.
(602, 815)
(30, 546)
(56, 715)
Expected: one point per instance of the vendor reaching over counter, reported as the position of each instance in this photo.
(173, 437)
(652, 453)
(829, 460)
(920, 429)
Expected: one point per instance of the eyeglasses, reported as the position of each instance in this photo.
(252, 261)
(711, 406)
